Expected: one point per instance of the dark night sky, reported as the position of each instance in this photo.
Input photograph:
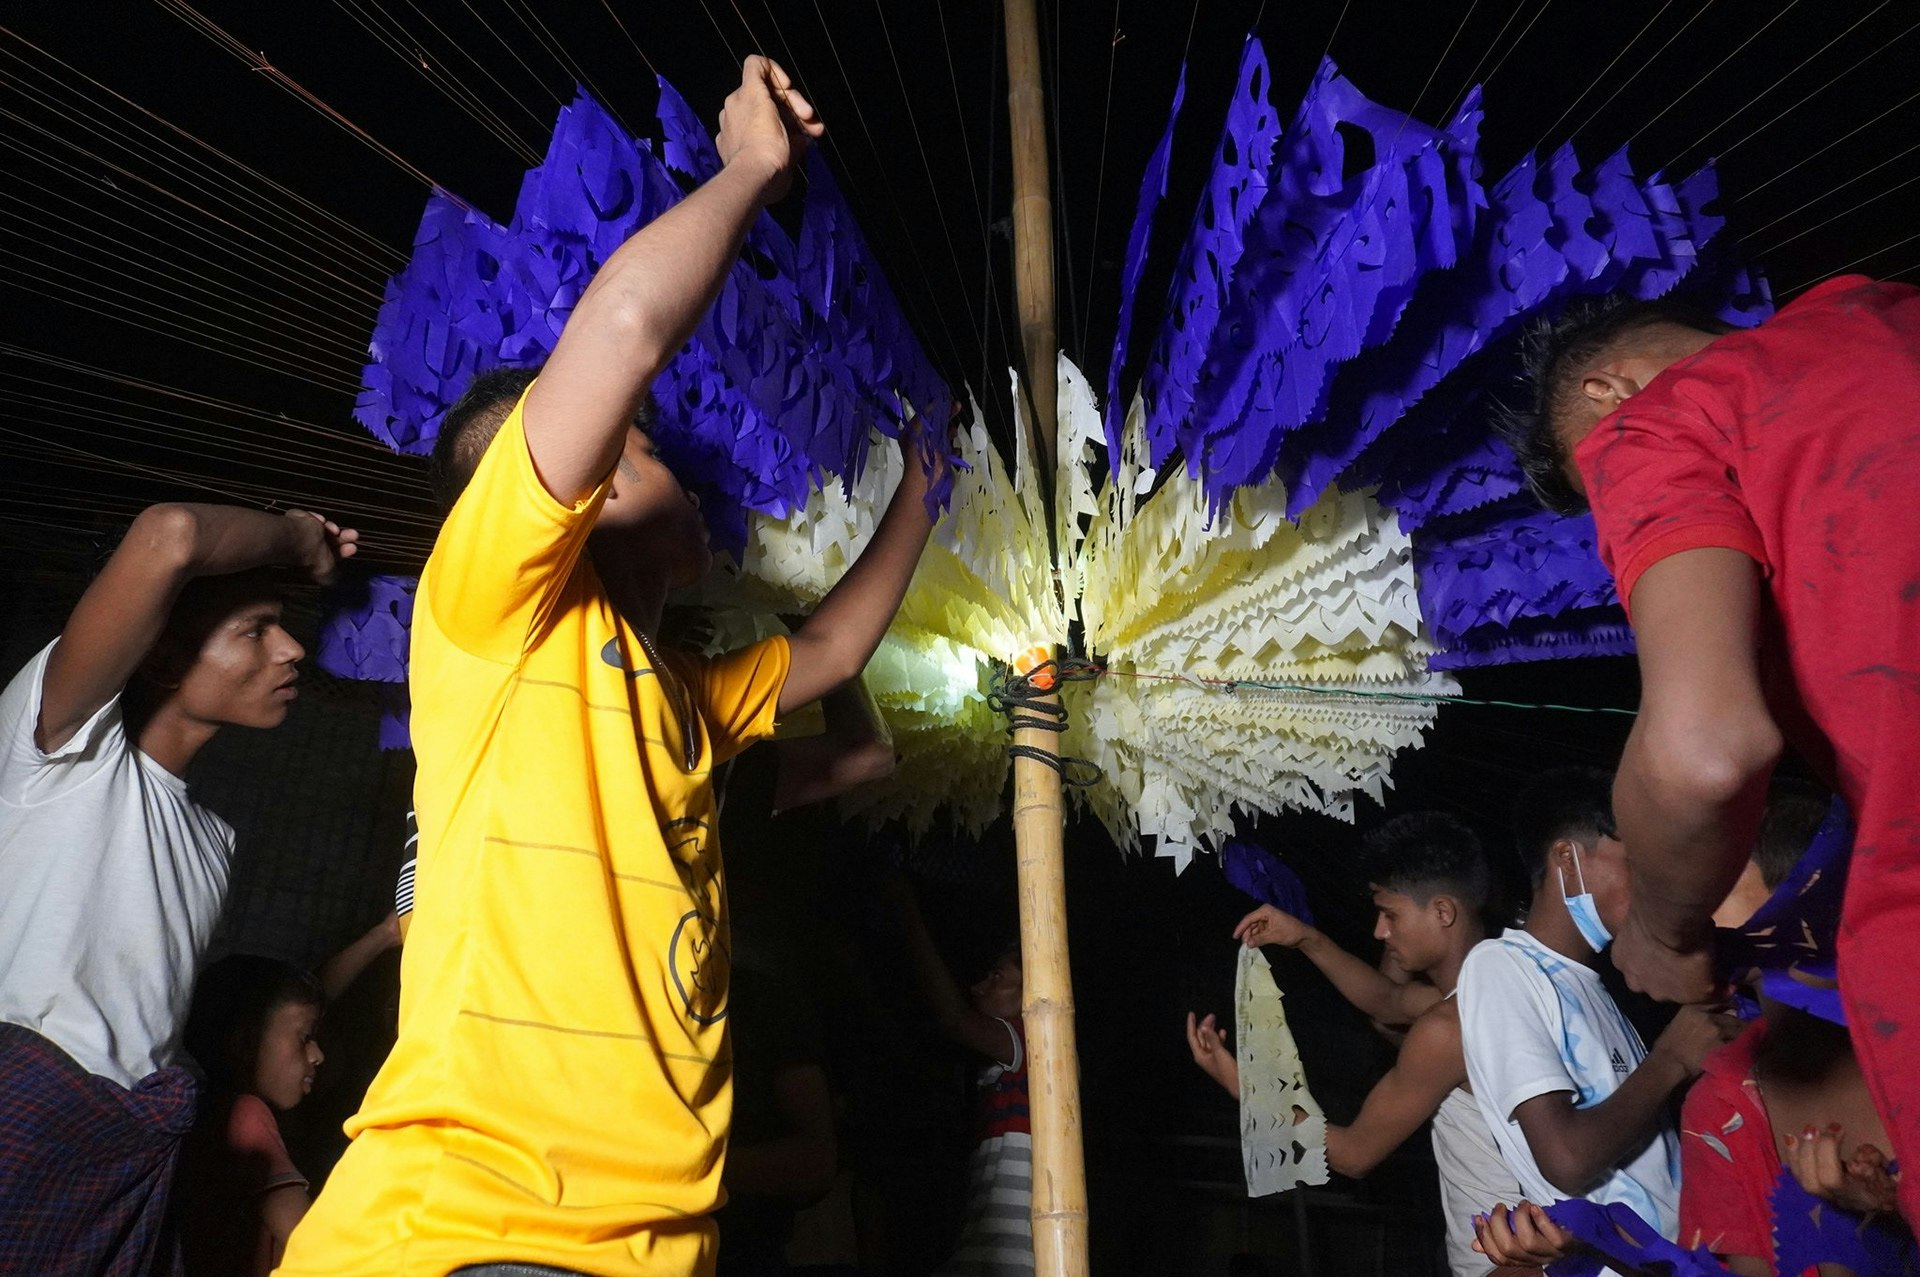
(173, 269)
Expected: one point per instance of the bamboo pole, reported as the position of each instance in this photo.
(1039, 808)
(1032, 224)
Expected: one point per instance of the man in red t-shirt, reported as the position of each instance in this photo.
(1755, 496)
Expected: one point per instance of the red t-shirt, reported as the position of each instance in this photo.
(233, 1159)
(1728, 1162)
(1798, 443)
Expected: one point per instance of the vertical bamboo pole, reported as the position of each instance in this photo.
(1039, 809)
(1032, 224)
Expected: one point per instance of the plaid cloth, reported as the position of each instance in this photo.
(85, 1165)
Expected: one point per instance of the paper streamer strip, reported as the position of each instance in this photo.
(1283, 1133)
(1789, 943)
(1261, 874)
(1615, 1234)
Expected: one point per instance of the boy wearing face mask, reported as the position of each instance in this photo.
(1576, 1103)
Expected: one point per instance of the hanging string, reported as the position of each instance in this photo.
(409, 51)
(1649, 61)
(1870, 55)
(989, 383)
(328, 227)
(533, 117)
(1485, 53)
(1338, 20)
(1710, 72)
(1100, 182)
(228, 298)
(1517, 42)
(612, 13)
(349, 287)
(93, 297)
(1776, 83)
(530, 19)
(1835, 190)
(1062, 224)
(1604, 72)
(256, 267)
(886, 184)
(1836, 141)
(1853, 208)
(1842, 270)
(280, 80)
(926, 164)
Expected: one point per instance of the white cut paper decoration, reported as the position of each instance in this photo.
(1283, 1133)
(1174, 600)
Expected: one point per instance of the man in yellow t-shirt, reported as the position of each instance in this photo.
(560, 1092)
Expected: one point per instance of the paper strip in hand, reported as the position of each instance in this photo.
(1283, 1133)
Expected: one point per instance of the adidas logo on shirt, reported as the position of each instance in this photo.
(1620, 1065)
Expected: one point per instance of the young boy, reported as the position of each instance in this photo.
(1752, 496)
(113, 876)
(996, 1238)
(1430, 881)
(1575, 1102)
(560, 1091)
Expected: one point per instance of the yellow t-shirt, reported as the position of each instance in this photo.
(561, 1089)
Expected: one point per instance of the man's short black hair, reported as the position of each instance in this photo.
(1424, 854)
(1795, 810)
(1567, 802)
(1555, 351)
(470, 426)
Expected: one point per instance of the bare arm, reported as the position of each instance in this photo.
(1692, 782)
(125, 609)
(958, 1020)
(1575, 1147)
(338, 973)
(856, 748)
(1430, 1065)
(1369, 989)
(280, 1211)
(833, 644)
(798, 1164)
(649, 296)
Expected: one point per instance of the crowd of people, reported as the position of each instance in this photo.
(561, 1092)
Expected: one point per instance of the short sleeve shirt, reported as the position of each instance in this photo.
(111, 881)
(1533, 1022)
(561, 1082)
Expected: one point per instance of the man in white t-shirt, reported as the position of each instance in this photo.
(1576, 1103)
(112, 877)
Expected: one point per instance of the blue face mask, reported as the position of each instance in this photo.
(1585, 914)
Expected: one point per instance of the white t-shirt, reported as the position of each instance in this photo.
(1473, 1176)
(111, 880)
(1534, 1022)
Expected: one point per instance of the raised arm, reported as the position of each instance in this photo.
(124, 611)
(648, 297)
(338, 973)
(960, 1022)
(1430, 1065)
(1370, 990)
(1692, 782)
(834, 643)
(1575, 1147)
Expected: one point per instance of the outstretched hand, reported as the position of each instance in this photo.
(767, 121)
(1208, 1043)
(1268, 925)
(322, 544)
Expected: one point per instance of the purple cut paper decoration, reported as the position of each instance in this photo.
(1513, 562)
(688, 148)
(1153, 188)
(1236, 184)
(1614, 1234)
(396, 710)
(365, 634)
(1264, 876)
(1789, 942)
(1808, 1232)
(1322, 269)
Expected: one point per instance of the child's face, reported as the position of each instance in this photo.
(283, 1071)
(1000, 992)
